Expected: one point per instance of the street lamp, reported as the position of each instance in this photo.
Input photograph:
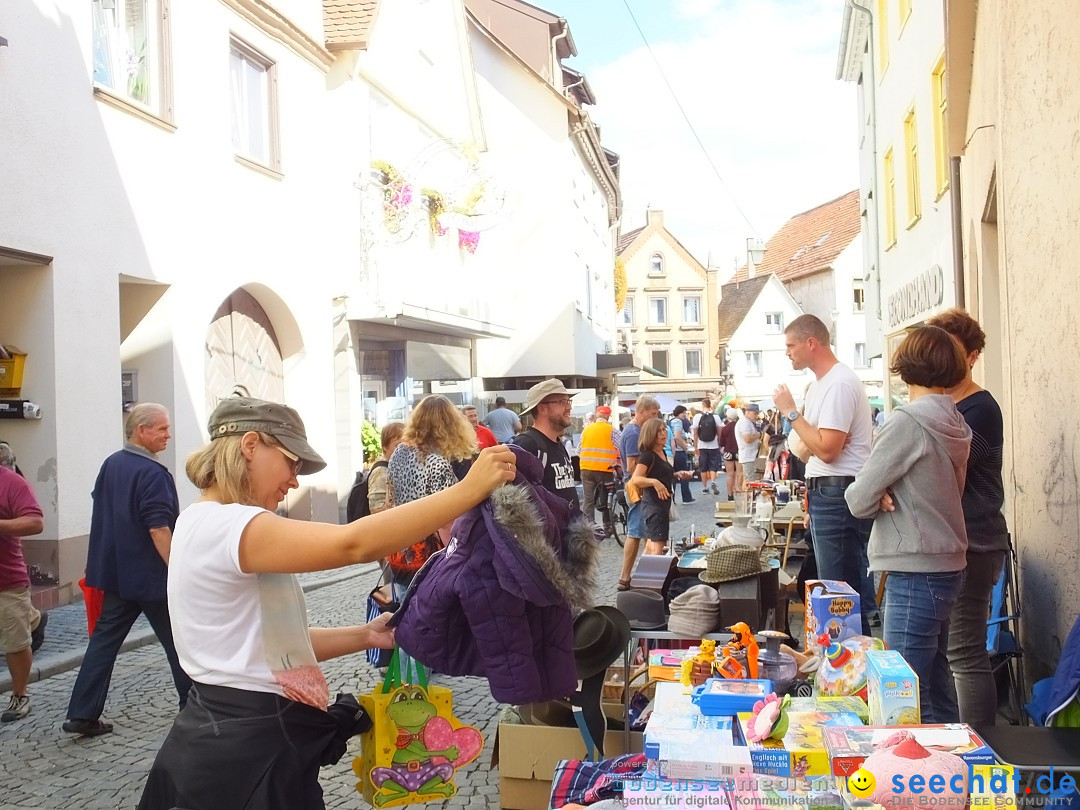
(755, 252)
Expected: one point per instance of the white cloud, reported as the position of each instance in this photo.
(756, 79)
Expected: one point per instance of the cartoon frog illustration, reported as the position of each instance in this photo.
(412, 770)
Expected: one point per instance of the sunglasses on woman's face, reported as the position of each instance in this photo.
(294, 460)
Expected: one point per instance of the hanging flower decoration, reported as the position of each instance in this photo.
(468, 240)
(436, 205)
(397, 195)
(620, 285)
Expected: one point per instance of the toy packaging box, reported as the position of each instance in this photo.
(846, 703)
(892, 690)
(758, 792)
(682, 743)
(848, 746)
(666, 665)
(831, 607)
(984, 794)
(802, 751)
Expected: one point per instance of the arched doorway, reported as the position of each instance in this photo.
(243, 355)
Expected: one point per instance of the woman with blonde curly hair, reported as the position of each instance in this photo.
(437, 436)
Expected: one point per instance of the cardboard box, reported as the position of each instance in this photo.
(527, 755)
(849, 746)
(892, 689)
(831, 607)
(691, 747)
(802, 751)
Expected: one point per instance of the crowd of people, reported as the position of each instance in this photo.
(920, 503)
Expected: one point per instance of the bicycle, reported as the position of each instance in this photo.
(615, 508)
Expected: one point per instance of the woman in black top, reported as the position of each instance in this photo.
(655, 477)
(988, 537)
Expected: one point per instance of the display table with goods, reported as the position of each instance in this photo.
(743, 721)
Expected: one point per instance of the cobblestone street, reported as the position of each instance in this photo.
(44, 767)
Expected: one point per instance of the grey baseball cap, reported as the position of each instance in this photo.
(235, 416)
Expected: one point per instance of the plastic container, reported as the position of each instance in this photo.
(718, 696)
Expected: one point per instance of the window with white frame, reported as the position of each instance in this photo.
(129, 52)
(656, 265)
(658, 311)
(659, 360)
(774, 323)
(693, 362)
(691, 310)
(626, 316)
(860, 356)
(858, 296)
(252, 89)
(753, 364)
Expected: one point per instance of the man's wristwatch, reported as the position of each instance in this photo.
(791, 417)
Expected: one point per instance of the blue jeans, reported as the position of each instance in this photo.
(917, 611)
(683, 463)
(840, 541)
(117, 616)
(635, 521)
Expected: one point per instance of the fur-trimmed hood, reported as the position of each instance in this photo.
(498, 600)
(570, 571)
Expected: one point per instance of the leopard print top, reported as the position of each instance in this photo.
(412, 479)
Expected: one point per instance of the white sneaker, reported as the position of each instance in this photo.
(17, 709)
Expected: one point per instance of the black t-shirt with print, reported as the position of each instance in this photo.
(558, 470)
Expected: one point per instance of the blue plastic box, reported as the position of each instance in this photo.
(718, 696)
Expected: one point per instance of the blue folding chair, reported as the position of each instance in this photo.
(1003, 641)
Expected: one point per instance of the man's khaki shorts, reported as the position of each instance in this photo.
(17, 616)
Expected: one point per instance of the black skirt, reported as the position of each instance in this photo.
(656, 514)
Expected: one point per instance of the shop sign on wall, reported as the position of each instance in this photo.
(918, 296)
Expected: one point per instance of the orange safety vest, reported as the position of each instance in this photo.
(598, 452)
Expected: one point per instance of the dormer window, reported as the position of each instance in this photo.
(656, 265)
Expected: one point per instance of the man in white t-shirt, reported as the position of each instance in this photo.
(748, 438)
(837, 429)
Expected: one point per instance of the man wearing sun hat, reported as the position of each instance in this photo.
(599, 458)
(550, 404)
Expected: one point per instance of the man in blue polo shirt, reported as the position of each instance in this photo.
(135, 511)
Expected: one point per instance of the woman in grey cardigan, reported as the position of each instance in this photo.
(920, 460)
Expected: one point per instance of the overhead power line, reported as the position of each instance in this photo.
(689, 124)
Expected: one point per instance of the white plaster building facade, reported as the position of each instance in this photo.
(894, 51)
(190, 200)
(752, 317)
(669, 314)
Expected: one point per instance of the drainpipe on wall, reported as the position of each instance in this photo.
(555, 68)
(957, 232)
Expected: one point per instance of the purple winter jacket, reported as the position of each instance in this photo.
(497, 602)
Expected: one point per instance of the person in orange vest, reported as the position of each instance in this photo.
(599, 458)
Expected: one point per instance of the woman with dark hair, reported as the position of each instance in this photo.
(257, 724)
(655, 477)
(920, 460)
(988, 536)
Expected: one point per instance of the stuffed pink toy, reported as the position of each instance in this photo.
(902, 755)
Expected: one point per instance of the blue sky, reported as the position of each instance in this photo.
(756, 77)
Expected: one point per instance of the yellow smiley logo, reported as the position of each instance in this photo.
(861, 783)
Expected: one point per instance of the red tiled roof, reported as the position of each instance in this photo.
(735, 302)
(627, 239)
(810, 242)
(347, 23)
